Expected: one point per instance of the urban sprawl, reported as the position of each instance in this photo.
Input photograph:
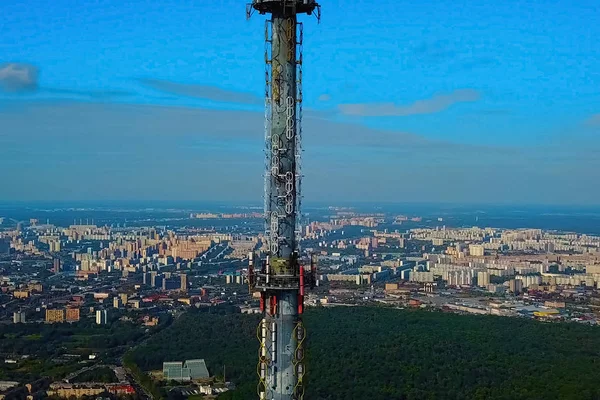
(142, 275)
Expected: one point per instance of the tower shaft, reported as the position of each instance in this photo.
(283, 194)
(281, 278)
(282, 204)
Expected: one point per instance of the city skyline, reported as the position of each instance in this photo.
(440, 103)
(125, 301)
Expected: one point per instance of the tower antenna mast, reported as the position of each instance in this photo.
(280, 277)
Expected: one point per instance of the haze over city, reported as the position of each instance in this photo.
(440, 102)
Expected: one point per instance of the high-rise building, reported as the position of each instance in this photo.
(476, 250)
(154, 278)
(437, 241)
(54, 246)
(117, 302)
(374, 242)
(56, 266)
(483, 279)
(55, 315)
(19, 317)
(101, 317)
(515, 286)
(183, 282)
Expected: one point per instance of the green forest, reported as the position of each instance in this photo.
(383, 353)
(100, 374)
(54, 350)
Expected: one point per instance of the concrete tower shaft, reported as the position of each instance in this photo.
(281, 278)
(283, 194)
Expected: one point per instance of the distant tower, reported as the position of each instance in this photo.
(281, 277)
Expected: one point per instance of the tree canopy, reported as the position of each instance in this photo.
(382, 353)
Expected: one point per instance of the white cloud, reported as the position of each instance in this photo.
(18, 77)
(434, 104)
(207, 92)
(594, 120)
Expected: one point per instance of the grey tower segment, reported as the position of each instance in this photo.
(281, 278)
(283, 192)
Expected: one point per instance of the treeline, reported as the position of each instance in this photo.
(384, 354)
(46, 340)
(100, 374)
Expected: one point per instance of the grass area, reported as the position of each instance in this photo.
(35, 336)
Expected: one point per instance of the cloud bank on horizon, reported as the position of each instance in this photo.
(437, 103)
(594, 120)
(23, 78)
(216, 154)
(209, 92)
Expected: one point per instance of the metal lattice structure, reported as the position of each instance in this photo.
(281, 278)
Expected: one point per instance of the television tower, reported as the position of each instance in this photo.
(281, 278)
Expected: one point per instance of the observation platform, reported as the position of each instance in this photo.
(277, 282)
(300, 6)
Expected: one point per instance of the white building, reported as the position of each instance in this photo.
(101, 317)
(483, 279)
(476, 250)
(421, 276)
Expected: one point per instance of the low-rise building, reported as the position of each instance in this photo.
(185, 371)
(72, 314)
(55, 315)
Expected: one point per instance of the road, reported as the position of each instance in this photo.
(81, 371)
(139, 389)
(136, 385)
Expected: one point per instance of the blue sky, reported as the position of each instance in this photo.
(449, 101)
